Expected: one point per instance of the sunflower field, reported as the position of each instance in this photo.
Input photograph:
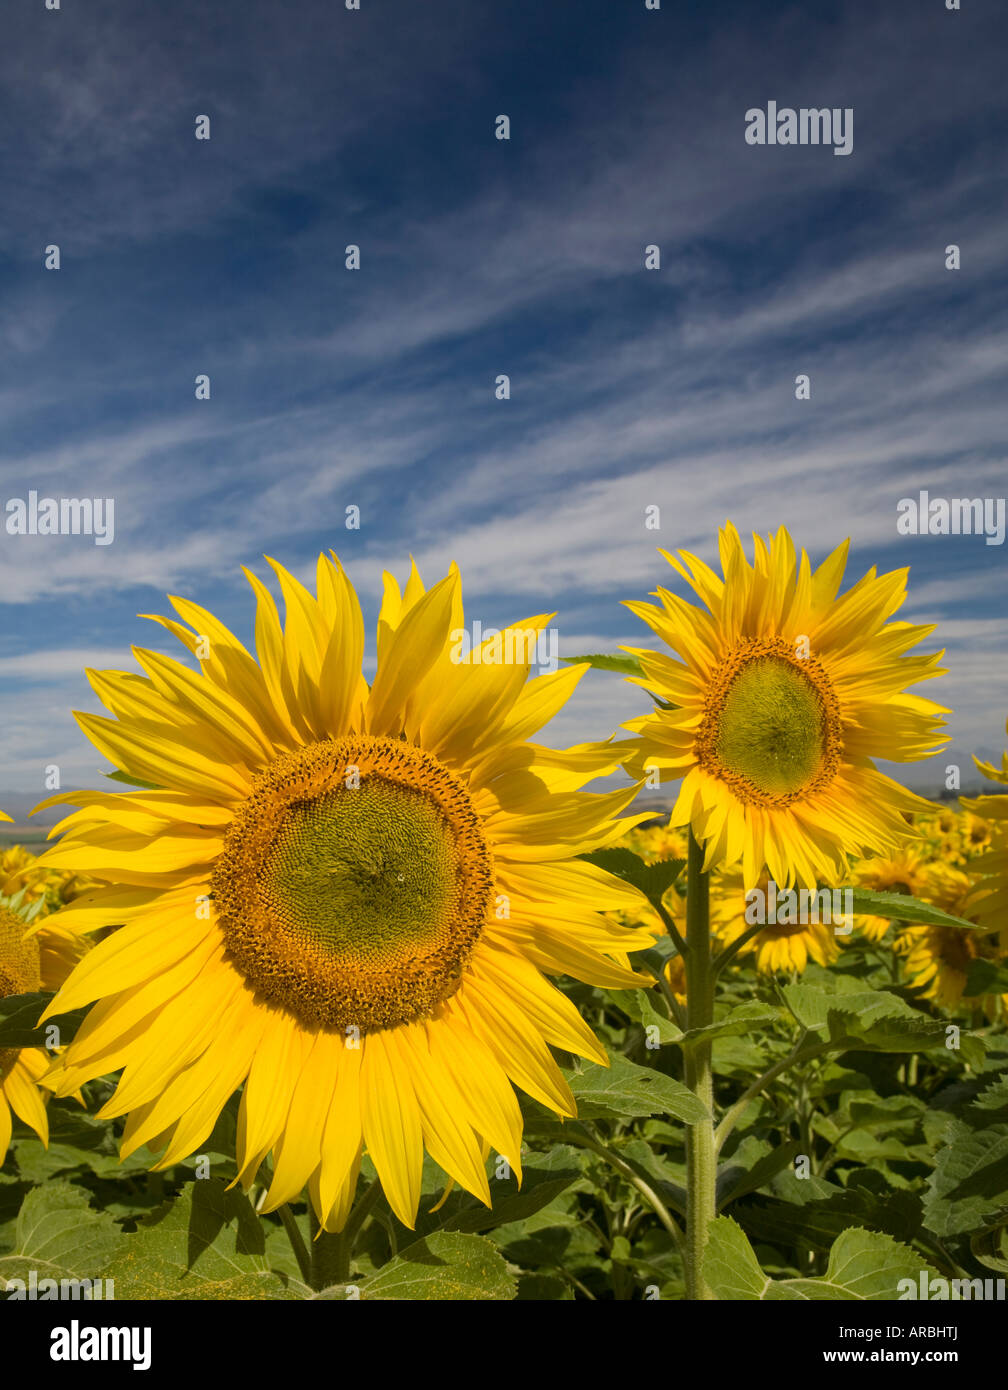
(350, 990)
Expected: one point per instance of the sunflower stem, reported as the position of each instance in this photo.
(701, 1161)
(804, 1049)
(296, 1239)
(330, 1258)
(332, 1252)
(579, 1133)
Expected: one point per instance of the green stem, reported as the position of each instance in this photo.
(676, 1010)
(701, 1162)
(801, 1052)
(296, 1239)
(730, 952)
(332, 1252)
(668, 921)
(578, 1133)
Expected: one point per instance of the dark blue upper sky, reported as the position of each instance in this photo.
(375, 387)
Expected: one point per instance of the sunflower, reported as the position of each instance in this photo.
(781, 944)
(977, 834)
(902, 872)
(656, 842)
(31, 958)
(20, 872)
(340, 899)
(779, 695)
(991, 868)
(938, 959)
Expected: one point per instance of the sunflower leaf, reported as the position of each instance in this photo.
(118, 776)
(812, 1004)
(637, 1004)
(968, 1189)
(863, 1265)
(604, 661)
(443, 1265)
(900, 907)
(984, 977)
(59, 1236)
(814, 1212)
(653, 880)
(624, 1090)
(750, 1017)
(207, 1243)
(19, 1016)
(901, 1034)
(738, 1175)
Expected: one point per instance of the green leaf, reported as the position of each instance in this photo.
(118, 776)
(816, 1211)
(19, 1016)
(653, 880)
(863, 1265)
(990, 1247)
(603, 661)
(207, 1243)
(443, 1265)
(637, 1004)
(812, 1004)
(901, 907)
(626, 1091)
(743, 1019)
(544, 1177)
(60, 1237)
(730, 1264)
(740, 1174)
(899, 1034)
(969, 1186)
(984, 977)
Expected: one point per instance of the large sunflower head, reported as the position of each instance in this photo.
(34, 956)
(341, 899)
(778, 694)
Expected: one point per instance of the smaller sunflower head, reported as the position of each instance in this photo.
(938, 959)
(777, 697)
(30, 960)
(795, 931)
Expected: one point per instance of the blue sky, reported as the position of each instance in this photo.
(376, 387)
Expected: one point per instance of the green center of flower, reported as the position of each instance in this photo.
(365, 873)
(354, 883)
(771, 726)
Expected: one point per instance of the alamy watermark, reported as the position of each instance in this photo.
(808, 125)
(925, 515)
(785, 907)
(62, 516)
(935, 1288)
(514, 646)
(36, 1290)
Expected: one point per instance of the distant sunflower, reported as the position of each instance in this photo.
(939, 958)
(780, 695)
(32, 958)
(991, 867)
(977, 834)
(340, 899)
(780, 945)
(902, 872)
